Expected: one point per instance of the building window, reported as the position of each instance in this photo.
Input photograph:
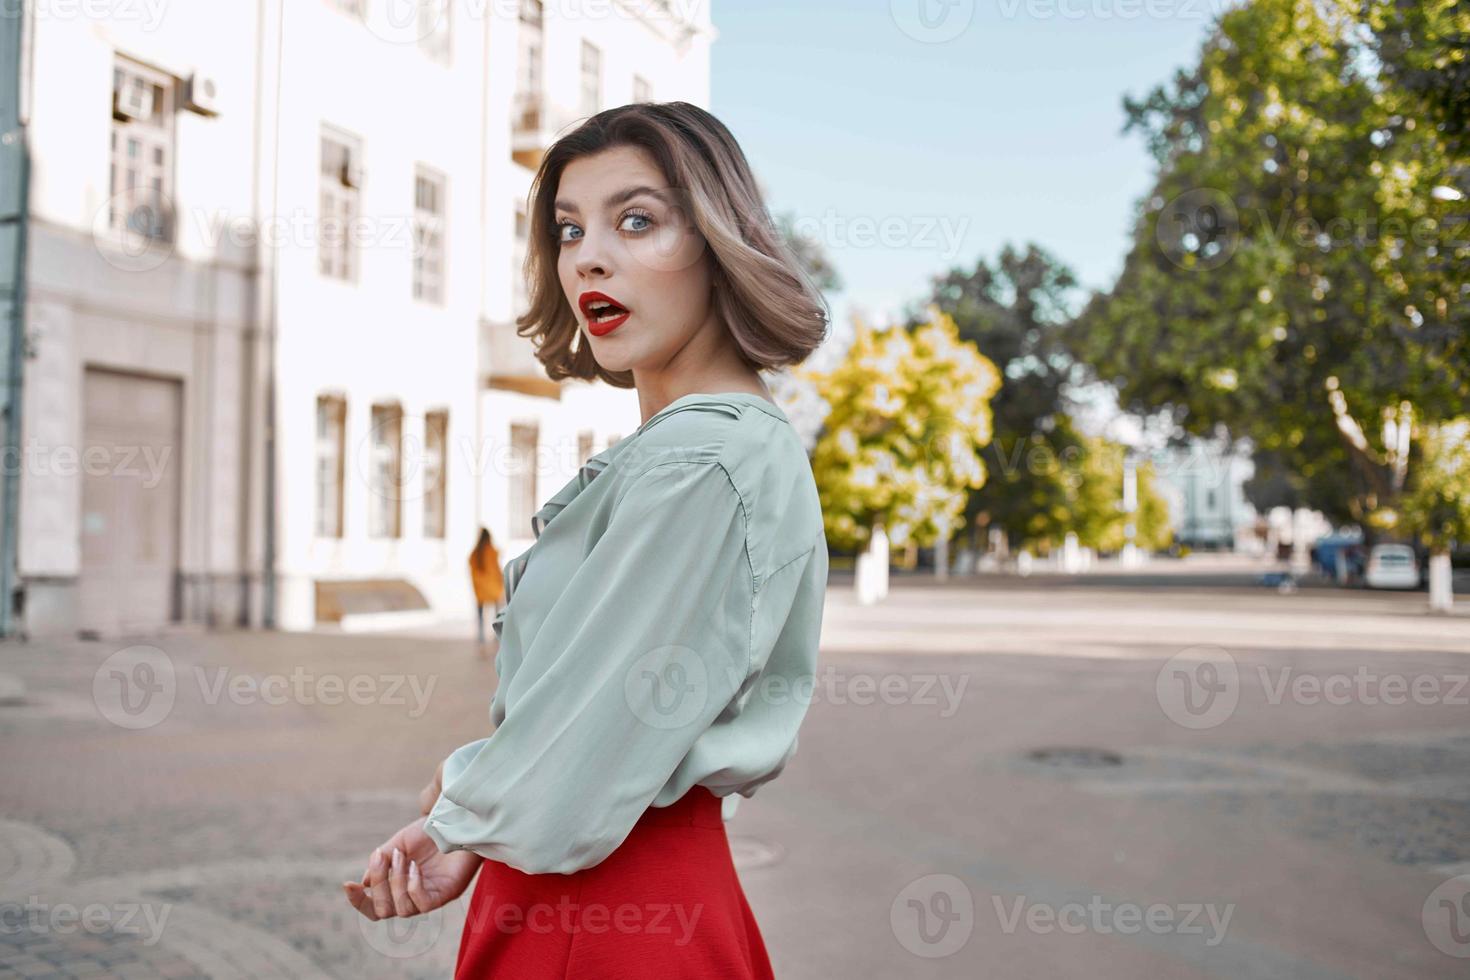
(519, 295)
(436, 475)
(341, 192)
(591, 78)
(384, 512)
(612, 438)
(141, 177)
(584, 446)
(523, 439)
(528, 67)
(428, 236)
(331, 440)
(642, 92)
(434, 29)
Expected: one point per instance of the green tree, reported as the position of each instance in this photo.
(810, 253)
(1018, 310)
(1423, 48)
(1074, 483)
(1296, 274)
(909, 416)
(1103, 521)
(1437, 507)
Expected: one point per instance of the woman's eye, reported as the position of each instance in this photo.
(562, 227)
(637, 217)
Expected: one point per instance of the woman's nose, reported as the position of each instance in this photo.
(592, 257)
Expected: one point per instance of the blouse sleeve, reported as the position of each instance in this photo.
(645, 647)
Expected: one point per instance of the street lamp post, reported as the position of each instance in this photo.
(1130, 509)
(14, 218)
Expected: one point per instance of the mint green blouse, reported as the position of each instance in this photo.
(660, 633)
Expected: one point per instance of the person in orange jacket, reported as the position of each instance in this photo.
(487, 578)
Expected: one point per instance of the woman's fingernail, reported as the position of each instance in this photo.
(413, 869)
(397, 859)
(377, 857)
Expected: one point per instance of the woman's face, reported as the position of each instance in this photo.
(628, 236)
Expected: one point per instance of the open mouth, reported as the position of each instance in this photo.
(600, 311)
(604, 314)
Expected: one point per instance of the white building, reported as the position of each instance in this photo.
(563, 66)
(1204, 485)
(273, 374)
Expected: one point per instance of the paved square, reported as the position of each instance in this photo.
(1091, 777)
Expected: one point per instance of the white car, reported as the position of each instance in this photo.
(1392, 566)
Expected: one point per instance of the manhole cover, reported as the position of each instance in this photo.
(1075, 757)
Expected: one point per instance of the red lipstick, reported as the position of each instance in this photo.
(602, 313)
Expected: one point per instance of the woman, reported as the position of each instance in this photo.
(487, 579)
(661, 630)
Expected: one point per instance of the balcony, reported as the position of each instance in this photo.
(508, 362)
(674, 25)
(535, 124)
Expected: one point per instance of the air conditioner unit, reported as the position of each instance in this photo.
(201, 95)
(132, 102)
(351, 175)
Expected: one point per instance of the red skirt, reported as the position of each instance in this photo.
(666, 904)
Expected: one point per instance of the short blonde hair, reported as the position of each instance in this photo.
(772, 308)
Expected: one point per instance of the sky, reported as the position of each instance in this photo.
(907, 151)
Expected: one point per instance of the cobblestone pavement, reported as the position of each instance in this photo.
(997, 778)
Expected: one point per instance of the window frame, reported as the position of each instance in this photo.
(591, 71)
(521, 496)
(339, 195)
(433, 224)
(437, 42)
(385, 497)
(338, 450)
(156, 137)
(436, 474)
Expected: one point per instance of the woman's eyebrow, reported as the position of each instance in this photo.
(615, 198)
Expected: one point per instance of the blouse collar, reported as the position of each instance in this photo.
(700, 397)
(598, 462)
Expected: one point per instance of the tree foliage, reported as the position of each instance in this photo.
(1046, 477)
(909, 416)
(810, 253)
(1066, 481)
(1437, 506)
(1017, 310)
(1297, 274)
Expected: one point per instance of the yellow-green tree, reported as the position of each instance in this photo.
(1099, 487)
(909, 415)
(1074, 484)
(1436, 508)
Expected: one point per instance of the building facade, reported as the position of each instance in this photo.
(1204, 485)
(271, 373)
(563, 62)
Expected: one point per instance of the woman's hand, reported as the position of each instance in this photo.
(408, 875)
(429, 795)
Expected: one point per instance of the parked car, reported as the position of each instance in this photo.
(1392, 566)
